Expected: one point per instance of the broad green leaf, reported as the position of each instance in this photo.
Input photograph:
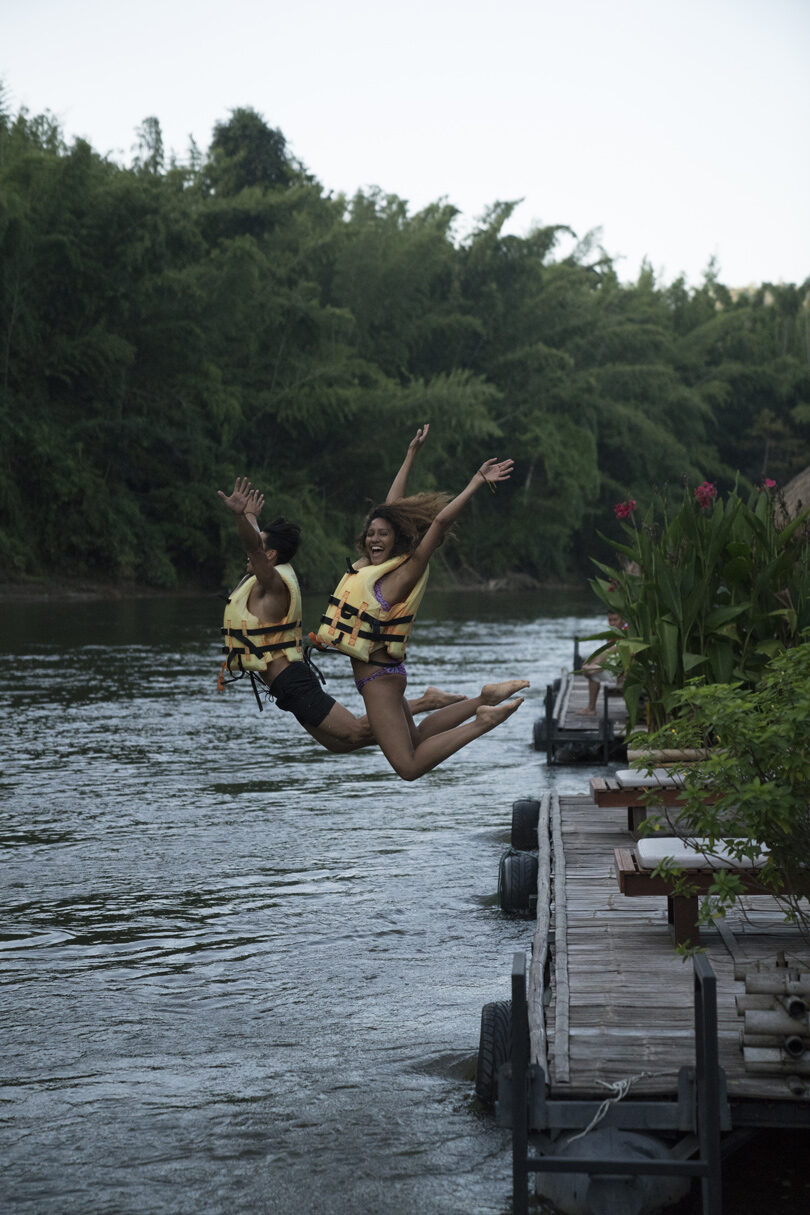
(668, 636)
(724, 615)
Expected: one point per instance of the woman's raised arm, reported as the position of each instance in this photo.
(397, 585)
(489, 474)
(400, 481)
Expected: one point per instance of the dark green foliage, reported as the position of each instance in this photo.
(751, 794)
(165, 328)
(246, 152)
(707, 588)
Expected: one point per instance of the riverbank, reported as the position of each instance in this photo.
(78, 589)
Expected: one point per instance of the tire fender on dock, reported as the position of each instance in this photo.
(494, 1048)
(517, 883)
(580, 1194)
(525, 817)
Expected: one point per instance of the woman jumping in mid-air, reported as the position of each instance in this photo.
(371, 613)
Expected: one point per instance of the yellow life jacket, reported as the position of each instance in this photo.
(250, 644)
(356, 624)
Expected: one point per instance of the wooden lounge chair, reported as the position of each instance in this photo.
(637, 791)
(634, 870)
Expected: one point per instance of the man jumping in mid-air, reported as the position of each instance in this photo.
(262, 631)
(262, 634)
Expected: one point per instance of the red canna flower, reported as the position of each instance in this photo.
(623, 510)
(705, 494)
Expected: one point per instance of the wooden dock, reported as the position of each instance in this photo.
(609, 999)
(568, 736)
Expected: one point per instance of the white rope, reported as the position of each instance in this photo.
(620, 1089)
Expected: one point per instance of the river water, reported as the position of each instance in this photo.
(241, 974)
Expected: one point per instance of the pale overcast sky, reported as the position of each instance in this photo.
(677, 127)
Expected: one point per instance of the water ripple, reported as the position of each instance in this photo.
(240, 973)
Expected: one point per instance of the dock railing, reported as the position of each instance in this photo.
(700, 1111)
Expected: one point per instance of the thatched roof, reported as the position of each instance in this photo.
(796, 493)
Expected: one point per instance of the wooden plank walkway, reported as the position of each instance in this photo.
(575, 698)
(567, 734)
(621, 999)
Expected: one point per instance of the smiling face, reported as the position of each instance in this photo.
(379, 541)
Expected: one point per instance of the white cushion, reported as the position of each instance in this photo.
(686, 855)
(659, 776)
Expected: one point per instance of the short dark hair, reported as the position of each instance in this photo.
(283, 536)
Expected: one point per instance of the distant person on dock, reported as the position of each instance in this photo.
(597, 670)
(370, 615)
(262, 632)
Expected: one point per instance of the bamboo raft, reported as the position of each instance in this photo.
(624, 1062)
(611, 1003)
(568, 736)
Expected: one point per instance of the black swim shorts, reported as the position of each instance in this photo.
(297, 690)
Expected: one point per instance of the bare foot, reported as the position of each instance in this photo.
(492, 715)
(434, 698)
(586, 713)
(494, 693)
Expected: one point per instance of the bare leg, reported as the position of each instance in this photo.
(454, 714)
(593, 692)
(341, 732)
(494, 693)
(434, 698)
(390, 722)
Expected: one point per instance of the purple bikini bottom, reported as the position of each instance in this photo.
(399, 669)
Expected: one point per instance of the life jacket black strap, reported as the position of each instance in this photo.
(258, 651)
(255, 651)
(367, 634)
(308, 660)
(226, 630)
(253, 683)
(347, 612)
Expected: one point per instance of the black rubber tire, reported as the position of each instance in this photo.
(525, 817)
(494, 1048)
(517, 883)
(539, 734)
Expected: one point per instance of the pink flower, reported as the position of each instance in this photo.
(705, 494)
(767, 483)
(623, 510)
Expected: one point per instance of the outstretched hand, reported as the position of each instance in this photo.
(418, 439)
(238, 499)
(496, 470)
(400, 481)
(255, 503)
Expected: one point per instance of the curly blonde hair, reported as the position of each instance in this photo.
(409, 517)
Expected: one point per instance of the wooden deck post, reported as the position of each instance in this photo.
(682, 914)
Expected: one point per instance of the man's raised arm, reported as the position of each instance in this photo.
(245, 504)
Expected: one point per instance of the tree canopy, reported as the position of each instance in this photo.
(166, 326)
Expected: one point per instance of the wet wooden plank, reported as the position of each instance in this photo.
(626, 1007)
(575, 698)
